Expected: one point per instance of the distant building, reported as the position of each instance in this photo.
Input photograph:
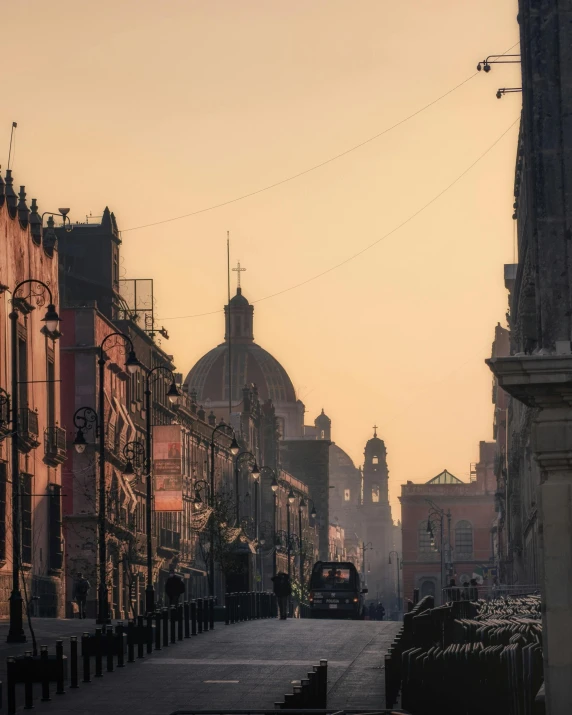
(466, 550)
(249, 364)
(377, 523)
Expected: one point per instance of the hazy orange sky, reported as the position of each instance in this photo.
(161, 109)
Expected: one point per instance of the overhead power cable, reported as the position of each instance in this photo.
(305, 171)
(379, 240)
(316, 166)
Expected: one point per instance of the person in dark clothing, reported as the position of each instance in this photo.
(453, 593)
(473, 590)
(380, 612)
(372, 611)
(282, 589)
(81, 590)
(174, 588)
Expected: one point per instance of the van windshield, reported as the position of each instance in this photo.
(332, 577)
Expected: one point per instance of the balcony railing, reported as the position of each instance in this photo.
(28, 430)
(54, 446)
(169, 539)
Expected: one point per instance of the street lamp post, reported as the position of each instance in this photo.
(234, 449)
(365, 547)
(395, 553)
(173, 396)
(132, 364)
(301, 507)
(37, 290)
(439, 515)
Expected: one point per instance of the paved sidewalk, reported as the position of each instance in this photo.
(241, 666)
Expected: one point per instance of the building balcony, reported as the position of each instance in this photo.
(54, 446)
(28, 431)
(170, 540)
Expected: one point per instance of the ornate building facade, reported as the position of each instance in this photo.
(27, 252)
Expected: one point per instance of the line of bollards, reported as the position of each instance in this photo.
(249, 606)
(311, 692)
(109, 644)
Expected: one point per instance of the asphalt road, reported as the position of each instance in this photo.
(246, 665)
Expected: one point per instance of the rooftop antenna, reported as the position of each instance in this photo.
(14, 125)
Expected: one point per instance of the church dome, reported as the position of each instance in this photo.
(249, 363)
(375, 445)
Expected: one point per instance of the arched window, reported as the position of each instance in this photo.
(346, 494)
(322, 435)
(463, 540)
(375, 460)
(375, 493)
(424, 539)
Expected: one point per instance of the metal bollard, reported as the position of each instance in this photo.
(232, 608)
(165, 612)
(211, 612)
(109, 643)
(140, 636)
(173, 623)
(85, 658)
(119, 638)
(149, 632)
(227, 609)
(11, 678)
(193, 618)
(131, 641)
(205, 615)
(60, 668)
(157, 630)
(98, 660)
(28, 684)
(180, 621)
(45, 665)
(187, 615)
(73, 663)
(200, 617)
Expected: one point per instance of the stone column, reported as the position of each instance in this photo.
(545, 382)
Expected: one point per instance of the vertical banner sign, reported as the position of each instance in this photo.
(167, 468)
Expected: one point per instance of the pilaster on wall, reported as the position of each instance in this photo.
(545, 382)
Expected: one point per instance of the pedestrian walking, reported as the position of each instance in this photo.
(174, 588)
(379, 612)
(473, 590)
(282, 589)
(81, 591)
(371, 611)
(465, 591)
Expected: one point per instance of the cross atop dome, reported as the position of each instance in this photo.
(375, 430)
(238, 270)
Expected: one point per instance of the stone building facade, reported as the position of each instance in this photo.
(28, 252)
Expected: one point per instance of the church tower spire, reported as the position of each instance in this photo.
(239, 315)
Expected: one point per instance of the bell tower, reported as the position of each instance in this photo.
(376, 520)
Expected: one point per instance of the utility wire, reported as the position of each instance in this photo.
(379, 240)
(310, 169)
(316, 166)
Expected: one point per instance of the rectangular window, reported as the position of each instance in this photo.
(375, 460)
(22, 371)
(3, 481)
(26, 502)
(346, 494)
(55, 553)
(51, 390)
(375, 493)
